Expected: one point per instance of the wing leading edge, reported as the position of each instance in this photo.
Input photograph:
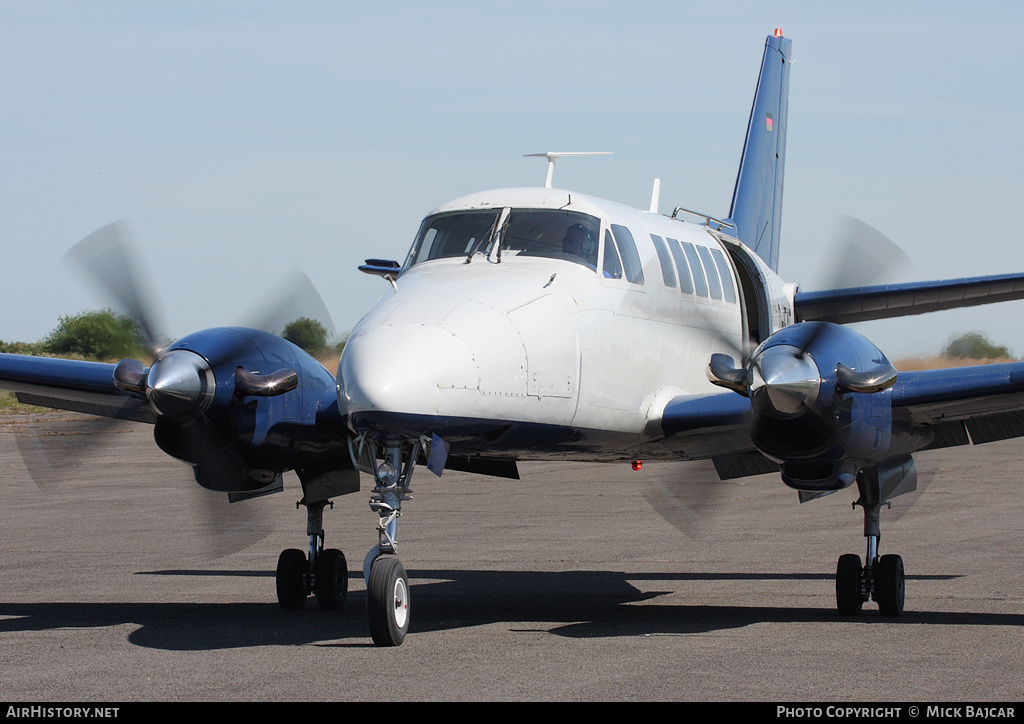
(862, 304)
(75, 385)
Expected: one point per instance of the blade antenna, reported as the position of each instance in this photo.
(553, 156)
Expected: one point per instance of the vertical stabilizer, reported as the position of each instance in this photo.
(756, 209)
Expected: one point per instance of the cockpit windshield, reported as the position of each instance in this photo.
(551, 233)
(458, 234)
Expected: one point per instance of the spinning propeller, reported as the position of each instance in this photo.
(197, 388)
(795, 381)
(781, 376)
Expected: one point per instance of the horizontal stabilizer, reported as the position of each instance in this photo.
(861, 304)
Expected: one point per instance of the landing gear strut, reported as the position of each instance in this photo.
(880, 578)
(387, 585)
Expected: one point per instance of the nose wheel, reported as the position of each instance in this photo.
(388, 597)
(387, 602)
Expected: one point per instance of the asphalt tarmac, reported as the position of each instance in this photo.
(122, 580)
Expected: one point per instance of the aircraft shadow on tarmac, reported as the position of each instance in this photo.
(577, 604)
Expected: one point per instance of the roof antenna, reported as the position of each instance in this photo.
(552, 156)
(655, 195)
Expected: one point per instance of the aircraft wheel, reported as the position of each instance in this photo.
(849, 599)
(291, 579)
(331, 579)
(890, 585)
(387, 602)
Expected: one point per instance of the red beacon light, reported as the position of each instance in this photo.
(778, 32)
(637, 464)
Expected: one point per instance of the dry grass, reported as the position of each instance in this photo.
(9, 405)
(330, 362)
(936, 363)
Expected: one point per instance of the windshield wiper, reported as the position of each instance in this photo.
(501, 236)
(486, 237)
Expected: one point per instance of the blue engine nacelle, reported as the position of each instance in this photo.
(242, 406)
(820, 404)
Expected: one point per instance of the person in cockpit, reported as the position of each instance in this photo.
(579, 241)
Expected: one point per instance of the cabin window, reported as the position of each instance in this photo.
(696, 268)
(449, 235)
(723, 270)
(553, 234)
(714, 286)
(611, 267)
(685, 283)
(630, 258)
(665, 259)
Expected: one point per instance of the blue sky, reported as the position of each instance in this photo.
(244, 139)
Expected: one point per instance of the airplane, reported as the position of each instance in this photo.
(545, 324)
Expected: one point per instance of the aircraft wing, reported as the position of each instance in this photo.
(861, 304)
(71, 385)
(715, 426)
(962, 405)
(941, 408)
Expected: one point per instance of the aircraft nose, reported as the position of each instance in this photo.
(403, 367)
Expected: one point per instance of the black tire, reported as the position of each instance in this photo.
(388, 602)
(291, 579)
(331, 579)
(849, 573)
(890, 585)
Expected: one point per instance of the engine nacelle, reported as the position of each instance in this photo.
(258, 406)
(820, 403)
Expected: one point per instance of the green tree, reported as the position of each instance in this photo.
(973, 345)
(306, 333)
(103, 334)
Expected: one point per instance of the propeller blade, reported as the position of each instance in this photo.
(53, 445)
(863, 256)
(692, 498)
(860, 256)
(59, 449)
(292, 299)
(108, 258)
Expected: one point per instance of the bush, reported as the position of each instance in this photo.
(103, 335)
(306, 333)
(29, 348)
(973, 345)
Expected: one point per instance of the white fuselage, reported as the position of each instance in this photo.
(572, 360)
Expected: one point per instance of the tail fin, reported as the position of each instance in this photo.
(756, 208)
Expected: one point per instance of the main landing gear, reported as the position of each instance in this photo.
(880, 578)
(324, 572)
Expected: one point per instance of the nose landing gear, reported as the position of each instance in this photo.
(388, 596)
